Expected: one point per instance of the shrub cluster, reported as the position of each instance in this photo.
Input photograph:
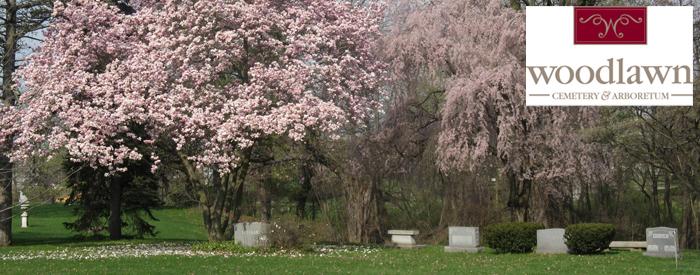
(512, 237)
(289, 232)
(589, 238)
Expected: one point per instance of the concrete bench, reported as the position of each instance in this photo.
(631, 245)
(403, 238)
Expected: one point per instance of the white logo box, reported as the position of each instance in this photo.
(550, 42)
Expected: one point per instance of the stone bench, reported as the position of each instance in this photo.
(403, 238)
(631, 245)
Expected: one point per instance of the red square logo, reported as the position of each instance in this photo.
(610, 25)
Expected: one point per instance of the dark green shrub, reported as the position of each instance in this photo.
(512, 237)
(589, 238)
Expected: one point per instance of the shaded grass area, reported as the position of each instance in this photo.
(46, 228)
(176, 225)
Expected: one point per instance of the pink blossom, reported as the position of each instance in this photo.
(212, 76)
(475, 52)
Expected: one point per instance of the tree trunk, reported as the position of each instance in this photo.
(656, 207)
(585, 211)
(519, 198)
(265, 200)
(303, 195)
(363, 211)
(668, 204)
(449, 214)
(465, 198)
(314, 209)
(8, 99)
(686, 230)
(696, 222)
(5, 201)
(10, 48)
(220, 196)
(115, 210)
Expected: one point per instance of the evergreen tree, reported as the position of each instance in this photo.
(109, 200)
(97, 195)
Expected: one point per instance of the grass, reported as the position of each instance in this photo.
(178, 225)
(46, 228)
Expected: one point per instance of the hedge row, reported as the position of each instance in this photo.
(512, 237)
(521, 237)
(589, 238)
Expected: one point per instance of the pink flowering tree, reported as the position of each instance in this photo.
(207, 80)
(473, 52)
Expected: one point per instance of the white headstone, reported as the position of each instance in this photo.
(463, 239)
(551, 241)
(251, 234)
(662, 242)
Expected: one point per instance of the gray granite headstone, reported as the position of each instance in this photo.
(662, 242)
(463, 239)
(551, 241)
(251, 234)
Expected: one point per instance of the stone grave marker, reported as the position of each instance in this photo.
(463, 239)
(662, 242)
(551, 241)
(251, 234)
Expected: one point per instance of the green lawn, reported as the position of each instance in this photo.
(182, 226)
(46, 227)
